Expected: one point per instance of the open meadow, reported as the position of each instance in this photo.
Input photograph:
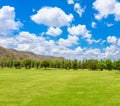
(55, 87)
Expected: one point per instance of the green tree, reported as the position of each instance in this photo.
(80, 64)
(84, 64)
(17, 64)
(38, 64)
(75, 64)
(67, 64)
(92, 64)
(27, 64)
(2, 63)
(57, 63)
(101, 65)
(9, 62)
(109, 64)
(45, 64)
(117, 64)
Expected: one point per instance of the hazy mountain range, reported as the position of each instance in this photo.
(19, 55)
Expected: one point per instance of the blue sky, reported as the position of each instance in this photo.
(74, 29)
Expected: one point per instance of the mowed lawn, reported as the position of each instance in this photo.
(59, 88)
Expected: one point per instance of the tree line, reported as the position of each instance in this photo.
(91, 64)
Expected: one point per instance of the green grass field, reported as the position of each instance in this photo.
(59, 88)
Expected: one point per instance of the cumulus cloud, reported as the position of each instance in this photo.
(93, 25)
(54, 31)
(71, 40)
(109, 24)
(79, 30)
(29, 42)
(116, 11)
(79, 9)
(26, 37)
(111, 39)
(7, 20)
(26, 41)
(106, 8)
(90, 41)
(8, 42)
(112, 52)
(52, 16)
(92, 53)
(70, 1)
(118, 42)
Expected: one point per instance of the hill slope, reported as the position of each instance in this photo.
(18, 55)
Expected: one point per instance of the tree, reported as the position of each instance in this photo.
(80, 65)
(117, 65)
(57, 63)
(2, 63)
(84, 64)
(67, 64)
(9, 62)
(27, 64)
(33, 63)
(38, 64)
(62, 65)
(45, 64)
(75, 64)
(92, 64)
(17, 64)
(109, 64)
(101, 65)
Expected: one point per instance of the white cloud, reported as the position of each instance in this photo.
(103, 41)
(33, 10)
(9, 42)
(112, 52)
(54, 31)
(92, 53)
(106, 8)
(7, 20)
(71, 40)
(52, 16)
(90, 41)
(109, 24)
(79, 9)
(70, 1)
(26, 41)
(116, 11)
(93, 25)
(111, 39)
(26, 37)
(118, 42)
(31, 42)
(79, 30)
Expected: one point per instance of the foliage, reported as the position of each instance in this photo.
(101, 65)
(92, 64)
(109, 64)
(17, 64)
(27, 64)
(117, 64)
(75, 64)
(58, 63)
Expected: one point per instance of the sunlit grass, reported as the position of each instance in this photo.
(59, 88)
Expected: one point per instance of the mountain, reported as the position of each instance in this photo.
(19, 55)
